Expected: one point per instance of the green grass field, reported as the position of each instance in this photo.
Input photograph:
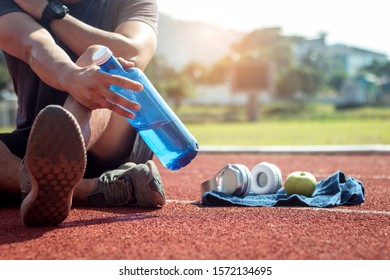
(288, 125)
(315, 125)
(293, 133)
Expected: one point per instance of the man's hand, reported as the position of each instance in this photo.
(91, 88)
(33, 8)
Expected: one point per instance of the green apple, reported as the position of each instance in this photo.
(300, 182)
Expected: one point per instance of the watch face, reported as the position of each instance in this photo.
(53, 10)
(59, 9)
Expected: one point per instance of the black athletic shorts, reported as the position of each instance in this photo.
(17, 143)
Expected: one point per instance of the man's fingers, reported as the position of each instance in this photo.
(125, 83)
(123, 112)
(114, 101)
(117, 103)
(125, 63)
(118, 99)
(118, 109)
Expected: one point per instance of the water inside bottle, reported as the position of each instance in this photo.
(166, 141)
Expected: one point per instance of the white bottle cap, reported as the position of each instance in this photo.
(102, 55)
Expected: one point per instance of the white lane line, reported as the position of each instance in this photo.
(343, 210)
(178, 201)
(358, 176)
(339, 210)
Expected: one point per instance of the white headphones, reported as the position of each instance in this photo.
(237, 180)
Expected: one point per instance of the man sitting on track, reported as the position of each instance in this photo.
(74, 141)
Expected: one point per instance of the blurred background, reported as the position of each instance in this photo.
(255, 72)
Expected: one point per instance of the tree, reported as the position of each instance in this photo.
(267, 44)
(178, 89)
(263, 44)
(299, 80)
(158, 71)
(332, 72)
(170, 83)
(379, 69)
(197, 72)
(337, 79)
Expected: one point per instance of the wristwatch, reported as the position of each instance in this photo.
(53, 10)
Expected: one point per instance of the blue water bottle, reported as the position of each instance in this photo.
(157, 124)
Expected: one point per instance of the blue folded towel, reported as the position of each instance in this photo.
(333, 191)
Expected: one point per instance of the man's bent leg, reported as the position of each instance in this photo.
(107, 135)
(54, 164)
(110, 139)
(9, 166)
(113, 143)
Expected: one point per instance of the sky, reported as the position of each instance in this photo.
(359, 23)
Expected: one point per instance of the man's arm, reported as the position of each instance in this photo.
(133, 40)
(22, 37)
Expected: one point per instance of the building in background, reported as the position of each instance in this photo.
(351, 58)
(359, 88)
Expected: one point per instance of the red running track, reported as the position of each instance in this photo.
(185, 230)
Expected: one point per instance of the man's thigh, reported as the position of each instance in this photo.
(16, 142)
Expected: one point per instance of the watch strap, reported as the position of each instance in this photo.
(48, 14)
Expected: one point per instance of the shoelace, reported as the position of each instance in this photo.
(118, 191)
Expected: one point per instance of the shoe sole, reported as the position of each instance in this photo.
(56, 159)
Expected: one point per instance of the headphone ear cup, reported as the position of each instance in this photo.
(246, 180)
(236, 180)
(266, 178)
